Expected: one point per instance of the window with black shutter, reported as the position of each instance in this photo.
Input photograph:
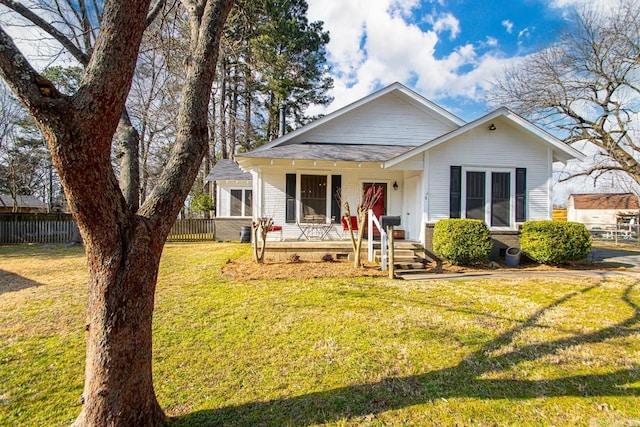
(521, 191)
(290, 214)
(455, 191)
(336, 185)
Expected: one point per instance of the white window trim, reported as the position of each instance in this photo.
(487, 194)
(244, 205)
(299, 174)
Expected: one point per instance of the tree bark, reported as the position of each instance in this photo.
(128, 139)
(123, 248)
(118, 372)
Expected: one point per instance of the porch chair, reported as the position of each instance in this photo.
(276, 228)
(345, 227)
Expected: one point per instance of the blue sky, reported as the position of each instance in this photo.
(447, 50)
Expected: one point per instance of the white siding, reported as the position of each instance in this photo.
(596, 217)
(502, 148)
(274, 196)
(389, 120)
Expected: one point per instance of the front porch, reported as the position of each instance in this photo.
(409, 255)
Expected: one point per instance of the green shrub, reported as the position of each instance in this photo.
(462, 241)
(555, 242)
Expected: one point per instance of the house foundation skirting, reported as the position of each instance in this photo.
(502, 240)
(230, 229)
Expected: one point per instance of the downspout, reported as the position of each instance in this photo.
(282, 120)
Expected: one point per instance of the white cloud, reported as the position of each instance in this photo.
(508, 25)
(491, 42)
(445, 22)
(374, 44)
(524, 34)
(607, 6)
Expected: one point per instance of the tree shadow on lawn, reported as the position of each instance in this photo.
(12, 282)
(462, 380)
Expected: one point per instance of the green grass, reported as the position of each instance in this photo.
(342, 352)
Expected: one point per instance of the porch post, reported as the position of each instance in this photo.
(391, 252)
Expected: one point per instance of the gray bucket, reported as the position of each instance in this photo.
(512, 256)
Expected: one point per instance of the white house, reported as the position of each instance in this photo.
(602, 210)
(429, 163)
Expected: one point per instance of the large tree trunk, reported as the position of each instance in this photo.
(123, 248)
(118, 377)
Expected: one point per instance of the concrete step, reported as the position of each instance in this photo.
(409, 266)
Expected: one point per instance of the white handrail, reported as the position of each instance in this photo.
(373, 220)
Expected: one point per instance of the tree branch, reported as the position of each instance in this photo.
(74, 50)
(32, 89)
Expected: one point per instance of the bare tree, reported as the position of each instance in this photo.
(586, 86)
(259, 230)
(123, 248)
(75, 25)
(369, 199)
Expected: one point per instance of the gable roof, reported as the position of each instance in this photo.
(24, 202)
(228, 170)
(562, 151)
(395, 88)
(624, 201)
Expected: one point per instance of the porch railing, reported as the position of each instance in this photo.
(373, 221)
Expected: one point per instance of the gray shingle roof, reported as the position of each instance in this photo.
(22, 201)
(341, 152)
(227, 169)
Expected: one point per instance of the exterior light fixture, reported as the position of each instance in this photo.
(395, 185)
(492, 127)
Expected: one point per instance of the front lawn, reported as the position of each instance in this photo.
(352, 351)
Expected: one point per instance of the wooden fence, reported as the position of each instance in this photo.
(17, 228)
(191, 230)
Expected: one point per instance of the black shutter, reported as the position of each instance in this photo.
(290, 215)
(521, 191)
(455, 191)
(336, 184)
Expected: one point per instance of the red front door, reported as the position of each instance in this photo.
(380, 205)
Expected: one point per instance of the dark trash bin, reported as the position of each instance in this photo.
(245, 234)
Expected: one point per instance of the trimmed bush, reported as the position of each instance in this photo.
(555, 242)
(462, 241)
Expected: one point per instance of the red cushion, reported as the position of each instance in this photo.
(275, 228)
(354, 223)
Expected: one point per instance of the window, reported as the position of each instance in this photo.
(241, 202)
(500, 199)
(494, 196)
(313, 195)
(475, 195)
